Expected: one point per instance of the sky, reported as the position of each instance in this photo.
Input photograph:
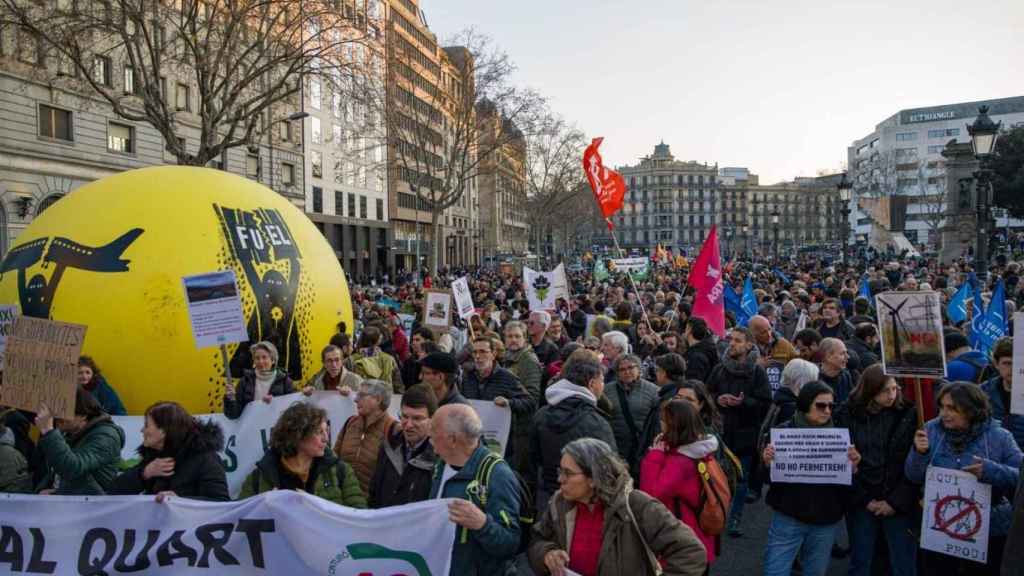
(781, 87)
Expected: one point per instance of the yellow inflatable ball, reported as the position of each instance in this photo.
(111, 255)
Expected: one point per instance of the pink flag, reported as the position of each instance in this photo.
(706, 278)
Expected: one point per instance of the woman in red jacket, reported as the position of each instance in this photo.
(669, 470)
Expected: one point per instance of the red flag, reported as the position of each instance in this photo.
(706, 278)
(608, 186)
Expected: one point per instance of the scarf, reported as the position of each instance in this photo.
(801, 421)
(264, 380)
(959, 440)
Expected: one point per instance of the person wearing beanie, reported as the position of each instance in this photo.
(796, 527)
(438, 370)
(264, 381)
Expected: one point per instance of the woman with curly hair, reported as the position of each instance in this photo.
(299, 459)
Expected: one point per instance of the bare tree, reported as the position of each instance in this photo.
(931, 195)
(244, 58)
(434, 114)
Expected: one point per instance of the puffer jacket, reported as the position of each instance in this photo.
(84, 463)
(1001, 457)
(246, 390)
(198, 470)
(1001, 411)
(740, 423)
(671, 476)
(631, 520)
(329, 478)
(397, 481)
(571, 414)
(359, 443)
(883, 439)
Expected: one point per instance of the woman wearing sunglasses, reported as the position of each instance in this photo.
(805, 517)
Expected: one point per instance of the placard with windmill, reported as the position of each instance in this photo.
(910, 325)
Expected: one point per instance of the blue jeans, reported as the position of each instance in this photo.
(742, 485)
(788, 537)
(864, 527)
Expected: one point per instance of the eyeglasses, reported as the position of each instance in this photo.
(566, 473)
(628, 368)
(824, 406)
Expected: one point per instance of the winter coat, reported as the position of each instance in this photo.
(1002, 459)
(779, 349)
(246, 390)
(576, 325)
(1013, 554)
(966, 367)
(547, 351)
(198, 470)
(632, 520)
(348, 378)
(329, 478)
(641, 398)
(527, 368)
(491, 550)
(652, 424)
(741, 423)
(104, 394)
(14, 473)
(453, 397)
(883, 439)
(571, 414)
(500, 382)
(830, 501)
(844, 330)
(85, 463)
(1001, 411)
(865, 354)
(842, 383)
(359, 443)
(701, 357)
(398, 481)
(376, 365)
(671, 476)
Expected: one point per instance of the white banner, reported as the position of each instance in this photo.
(247, 438)
(543, 288)
(278, 532)
(463, 299)
(631, 265)
(1017, 382)
(957, 512)
(811, 456)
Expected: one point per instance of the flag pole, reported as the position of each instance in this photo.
(639, 296)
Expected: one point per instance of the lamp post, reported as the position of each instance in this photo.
(845, 188)
(775, 231)
(984, 133)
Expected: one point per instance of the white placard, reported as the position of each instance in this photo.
(811, 456)
(1017, 383)
(957, 512)
(437, 310)
(630, 265)
(543, 289)
(463, 298)
(7, 316)
(215, 309)
(277, 532)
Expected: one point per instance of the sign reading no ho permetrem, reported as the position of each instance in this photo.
(215, 309)
(957, 512)
(811, 456)
(42, 365)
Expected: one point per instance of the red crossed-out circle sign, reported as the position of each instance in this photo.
(957, 517)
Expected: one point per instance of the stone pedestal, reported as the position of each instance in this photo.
(960, 228)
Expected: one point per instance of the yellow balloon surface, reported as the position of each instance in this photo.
(111, 255)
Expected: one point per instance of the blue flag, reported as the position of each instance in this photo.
(993, 325)
(865, 291)
(957, 308)
(732, 300)
(748, 303)
(977, 315)
(782, 276)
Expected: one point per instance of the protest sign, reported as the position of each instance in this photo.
(811, 456)
(278, 532)
(7, 315)
(247, 438)
(42, 365)
(774, 370)
(215, 309)
(635, 267)
(437, 310)
(463, 299)
(1017, 383)
(910, 327)
(957, 512)
(543, 289)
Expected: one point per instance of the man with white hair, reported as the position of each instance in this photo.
(487, 513)
(614, 345)
(543, 347)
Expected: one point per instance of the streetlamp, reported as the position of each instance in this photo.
(270, 144)
(746, 238)
(845, 193)
(984, 133)
(775, 230)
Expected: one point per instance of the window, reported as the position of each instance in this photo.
(936, 149)
(380, 209)
(339, 202)
(318, 200)
(287, 173)
(315, 135)
(316, 159)
(351, 205)
(336, 137)
(129, 80)
(120, 138)
(252, 167)
(286, 131)
(362, 207)
(906, 136)
(314, 94)
(55, 123)
(181, 99)
(101, 70)
(944, 132)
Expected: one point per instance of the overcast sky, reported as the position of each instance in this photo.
(778, 86)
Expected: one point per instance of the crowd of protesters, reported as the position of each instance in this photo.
(621, 403)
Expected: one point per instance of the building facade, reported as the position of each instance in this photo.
(902, 157)
(809, 216)
(502, 182)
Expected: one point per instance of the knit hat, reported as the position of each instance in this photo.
(440, 361)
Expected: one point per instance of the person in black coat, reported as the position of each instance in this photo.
(864, 345)
(405, 464)
(264, 381)
(179, 457)
(670, 376)
(701, 355)
(882, 426)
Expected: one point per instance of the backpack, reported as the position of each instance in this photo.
(483, 477)
(374, 367)
(715, 496)
(730, 465)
